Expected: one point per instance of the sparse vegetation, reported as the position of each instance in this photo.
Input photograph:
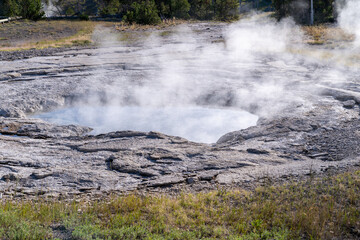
(322, 34)
(42, 34)
(321, 208)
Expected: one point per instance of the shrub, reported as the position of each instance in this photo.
(226, 9)
(180, 8)
(9, 8)
(144, 12)
(174, 8)
(70, 12)
(201, 9)
(31, 9)
(84, 17)
(300, 10)
(109, 7)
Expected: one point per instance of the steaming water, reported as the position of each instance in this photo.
(198, 124)
(258, 64)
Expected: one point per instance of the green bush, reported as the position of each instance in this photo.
(226, 10)
(174, 8)
(201, 9)
(70, 12)
(180, 8)
(84, 17)
(31, 9)
(9, 8)
(109, 7)
(324, 10)
(144, 12)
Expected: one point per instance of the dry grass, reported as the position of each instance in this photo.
(43, 34)
(324, 208)
(329, 43)
(122, 26)
(322, 34)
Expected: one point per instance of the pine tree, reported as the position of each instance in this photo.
(31, 9)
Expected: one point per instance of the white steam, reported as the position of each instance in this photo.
(49, 9)
(349, 18)
(190, 72)
(194, 123)
(182, 83)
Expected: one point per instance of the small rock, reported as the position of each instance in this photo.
(10, 177)
(4, 77)
(256, 151)
(14, 75)
(168, 180)
(190, 180)
(349, 104)
(208, 176)
(41, 175)
(316, 155)
(87, 189)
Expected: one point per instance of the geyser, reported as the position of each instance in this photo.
(162, 82)
(198, 124)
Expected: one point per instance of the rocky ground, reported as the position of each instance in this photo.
(311, 127)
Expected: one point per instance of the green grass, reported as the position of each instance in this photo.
(323, 208)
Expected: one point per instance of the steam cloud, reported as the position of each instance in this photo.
(349, 18)
(253, 67)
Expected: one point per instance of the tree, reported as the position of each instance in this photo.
(305, 11)
(9, 8)
(173, 8)
(109, 7)
(144, 12)
(226, 9)
(201, 9)
(312, 12)
(180, 8)
(31, 9)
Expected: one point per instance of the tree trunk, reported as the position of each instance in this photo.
(312, 13)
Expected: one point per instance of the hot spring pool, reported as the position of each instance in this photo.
(199, 124)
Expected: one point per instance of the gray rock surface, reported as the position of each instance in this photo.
(311, 132)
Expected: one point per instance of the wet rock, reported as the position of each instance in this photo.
(165, 181)
(126, 164)
(6, 112)
(318, 155)
(190, 180)
(162, 155)
(349, 104)
(341, 94)
(256, 151)
(14, 75)
(40, 175)
(208, 175)
(10, 177)
(4, 77)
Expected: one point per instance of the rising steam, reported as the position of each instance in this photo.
(349, 18)
(254, 66)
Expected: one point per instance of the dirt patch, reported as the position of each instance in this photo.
(29, 34)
